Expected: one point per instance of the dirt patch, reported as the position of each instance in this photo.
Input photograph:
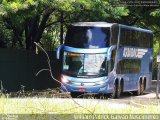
(48, 93)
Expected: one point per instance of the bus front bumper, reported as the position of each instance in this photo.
(101, 89)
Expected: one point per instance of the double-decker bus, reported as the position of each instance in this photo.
(101, 57)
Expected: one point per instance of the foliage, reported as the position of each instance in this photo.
(5, 36)
(156, 29)
(156, 13)
(29, 19)
(24, 22)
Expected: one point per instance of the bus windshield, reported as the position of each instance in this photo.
(87, 37)
(84, 65)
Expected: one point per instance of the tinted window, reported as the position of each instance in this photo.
(128, 66)
(114, 39)
(87, 37)
(131, 37)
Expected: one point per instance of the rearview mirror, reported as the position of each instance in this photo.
(58, 51)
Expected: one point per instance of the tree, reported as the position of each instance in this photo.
(29, 17)
(32, 17)
(13, 17)
(156, 27)
(30, 20)
(5, 35)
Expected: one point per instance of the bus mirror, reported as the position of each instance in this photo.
(109, 52)
(58, 51)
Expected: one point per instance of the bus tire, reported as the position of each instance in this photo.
(116, 90)
(119, 90)
(138, 92)
(142, 87)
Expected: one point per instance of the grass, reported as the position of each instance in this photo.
(44, 106)
(33, 106)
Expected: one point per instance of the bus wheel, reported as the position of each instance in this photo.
(75, 94)
(119, 90)
(138, 92)
(116, 91)
(142, 87)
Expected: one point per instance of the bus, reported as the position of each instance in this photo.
(106, 58)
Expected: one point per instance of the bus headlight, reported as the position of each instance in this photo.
(64, 79)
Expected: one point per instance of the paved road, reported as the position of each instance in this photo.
(149, 96)
(153, 86)
(126, 100)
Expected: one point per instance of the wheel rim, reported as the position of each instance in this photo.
(119, 91)
(142, 88)
(139, 88)
(114, 92)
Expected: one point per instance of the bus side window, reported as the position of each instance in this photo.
(104, 66)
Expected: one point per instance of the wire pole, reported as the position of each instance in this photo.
(158, 76)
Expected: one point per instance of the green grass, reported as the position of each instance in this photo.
(53, 106)
(44, 106)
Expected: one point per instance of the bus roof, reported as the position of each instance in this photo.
(105, 24)
(135, 28)
(93, 24)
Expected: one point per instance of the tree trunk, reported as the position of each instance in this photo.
(41, 27)
(27, 35)
(20, 38)
(31, 29)
(61, 28)
(34, 29)
(17, 36)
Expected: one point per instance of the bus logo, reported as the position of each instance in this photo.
(82, 84)
(134, 52)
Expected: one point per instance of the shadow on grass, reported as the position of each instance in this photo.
(124, 95)
(56, 93)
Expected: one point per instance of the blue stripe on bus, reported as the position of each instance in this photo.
(80, 50)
